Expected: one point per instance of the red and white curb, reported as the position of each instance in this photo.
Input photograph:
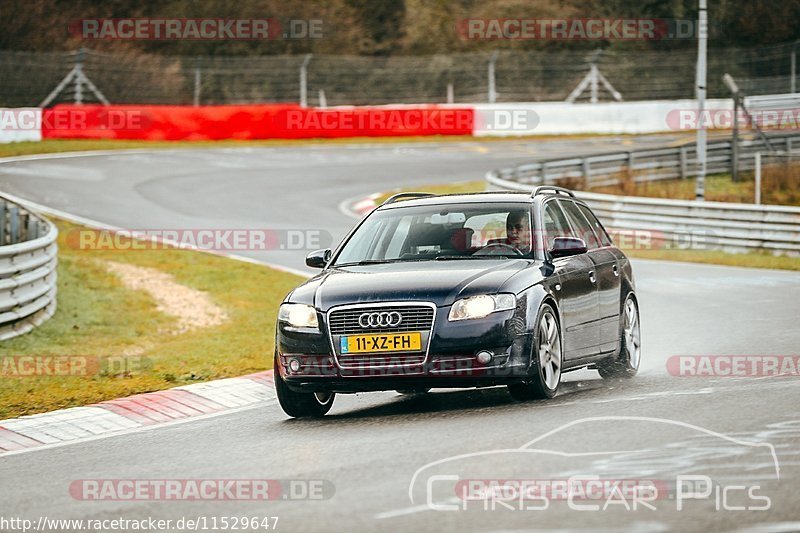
(360, 206)
(141, 411)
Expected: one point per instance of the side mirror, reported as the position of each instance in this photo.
(318, 258)
(566, 246)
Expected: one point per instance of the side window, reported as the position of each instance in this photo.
(605, 240)
(581, 225)
(555, 225)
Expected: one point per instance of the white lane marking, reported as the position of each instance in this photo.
(54, 171)
(136, 430)
(232, 392)
(346, 204)
(771, 527)
(413, 509)
(66, 425)
(77, 219)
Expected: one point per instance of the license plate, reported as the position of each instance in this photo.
(384, 342)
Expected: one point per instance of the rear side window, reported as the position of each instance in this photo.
(555, 225)
(599, 230)
(582, 227)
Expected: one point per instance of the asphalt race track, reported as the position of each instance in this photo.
(381, 452)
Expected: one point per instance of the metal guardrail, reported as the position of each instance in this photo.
(699, 225)
(598, 170)
(28, 258)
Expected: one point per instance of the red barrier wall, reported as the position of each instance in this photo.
(277, 121)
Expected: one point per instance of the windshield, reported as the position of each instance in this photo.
(456, 231)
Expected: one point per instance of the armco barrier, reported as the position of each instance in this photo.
(705, 225)
(251, 122)
(597, 170)
(28, 258)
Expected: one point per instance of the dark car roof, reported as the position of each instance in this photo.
(500, 197)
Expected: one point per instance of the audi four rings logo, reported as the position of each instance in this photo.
(380, 320)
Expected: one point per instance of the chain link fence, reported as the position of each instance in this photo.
(29, 77)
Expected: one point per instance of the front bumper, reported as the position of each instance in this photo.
(307, 362)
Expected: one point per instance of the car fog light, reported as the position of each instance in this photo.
(484, 357)
(294, 365)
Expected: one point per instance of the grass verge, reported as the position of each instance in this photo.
(749, 260)
(78, 145)
(98, 317)
(780, 186)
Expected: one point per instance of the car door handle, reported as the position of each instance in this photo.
(591, 276)
(616, 270)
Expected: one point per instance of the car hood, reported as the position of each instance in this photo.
(440, 282)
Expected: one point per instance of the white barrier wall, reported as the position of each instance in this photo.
(558, 118)
(20, 124)
(508, 119)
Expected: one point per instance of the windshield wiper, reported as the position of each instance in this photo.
(368, 262)
(457, 257)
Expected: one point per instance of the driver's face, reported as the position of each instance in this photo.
(518, 231)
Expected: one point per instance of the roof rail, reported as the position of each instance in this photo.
(542, 188)
(406, 195)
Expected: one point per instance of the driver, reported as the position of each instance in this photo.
(518, 231)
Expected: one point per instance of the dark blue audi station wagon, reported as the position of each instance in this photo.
(468, 290)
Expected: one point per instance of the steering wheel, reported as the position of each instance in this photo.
(498, 248)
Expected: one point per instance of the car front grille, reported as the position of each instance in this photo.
(381, 360)
(415, 318)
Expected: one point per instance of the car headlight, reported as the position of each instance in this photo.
(298, 316)
(481, 306)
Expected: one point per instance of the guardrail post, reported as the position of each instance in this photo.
(630, 166)
(544, 173)
(683, 163)
(586, 171)
(13, 224)
(32, 231)
(2, 223)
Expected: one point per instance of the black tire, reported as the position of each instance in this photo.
(626, 364)
(301, 404)
(536, 388)
(412, 392)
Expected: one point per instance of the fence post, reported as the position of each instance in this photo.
(793, 74)
(735, 140)
(758, 178)
(450, 98)
(492, 90)
(197, 87)
(304, 81)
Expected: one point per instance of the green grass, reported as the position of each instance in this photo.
(749, 260)
(77, 145)
(780, 186)
(97, 316)
(445, 188)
